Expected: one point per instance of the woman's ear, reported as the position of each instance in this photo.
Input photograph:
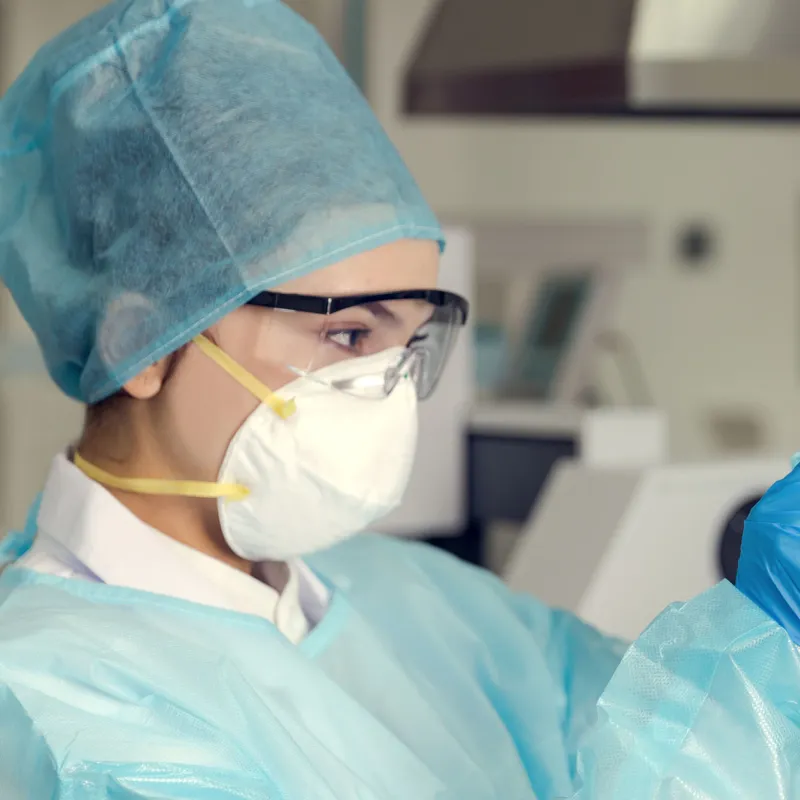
(148, 383)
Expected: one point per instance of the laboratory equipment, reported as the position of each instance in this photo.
(617, 544)
(513, 448)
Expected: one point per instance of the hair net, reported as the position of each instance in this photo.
(163, 161)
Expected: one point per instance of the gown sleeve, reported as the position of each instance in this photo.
(706, 704)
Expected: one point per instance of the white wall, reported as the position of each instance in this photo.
(701, 351)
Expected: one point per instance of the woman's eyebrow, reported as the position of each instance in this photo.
(381, 311)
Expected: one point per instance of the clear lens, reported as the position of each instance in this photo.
(416, 336)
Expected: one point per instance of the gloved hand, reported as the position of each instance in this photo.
(769, 565)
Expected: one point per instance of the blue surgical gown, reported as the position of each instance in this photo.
(426, 679)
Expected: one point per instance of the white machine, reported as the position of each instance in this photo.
(617, 544)
(514, 448)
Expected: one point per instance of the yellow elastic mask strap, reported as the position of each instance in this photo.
(283, 408)
(158, 486)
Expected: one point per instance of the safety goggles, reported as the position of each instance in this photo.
(416, 330)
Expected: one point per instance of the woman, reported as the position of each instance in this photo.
(222, 255)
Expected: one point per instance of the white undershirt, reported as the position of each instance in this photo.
(86, 533)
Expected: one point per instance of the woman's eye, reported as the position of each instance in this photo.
(350, 339)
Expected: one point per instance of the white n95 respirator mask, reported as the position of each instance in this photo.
(311, 465)
(328, 471)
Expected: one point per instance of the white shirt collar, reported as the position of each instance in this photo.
(85, 532)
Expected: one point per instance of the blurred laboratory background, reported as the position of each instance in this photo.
(621, 184)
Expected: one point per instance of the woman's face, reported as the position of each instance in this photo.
(200, 407)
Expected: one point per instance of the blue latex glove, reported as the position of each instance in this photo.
(769, 565)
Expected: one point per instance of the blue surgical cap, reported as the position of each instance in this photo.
(163, 161)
